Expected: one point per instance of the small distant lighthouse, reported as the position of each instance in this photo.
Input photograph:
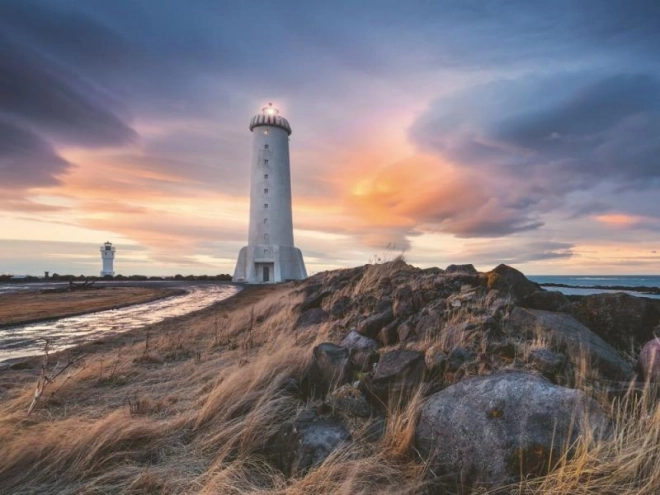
(108, 257)
(270, 255)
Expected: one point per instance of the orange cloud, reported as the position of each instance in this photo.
(619, 219)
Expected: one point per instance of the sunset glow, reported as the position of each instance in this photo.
(435, 130)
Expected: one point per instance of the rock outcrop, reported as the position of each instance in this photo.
(499, 359)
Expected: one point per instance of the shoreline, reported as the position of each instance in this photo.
(247, 295)
(639, 289)
(163, 294)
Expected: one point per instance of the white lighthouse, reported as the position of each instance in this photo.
(270, 255)
(108, 257)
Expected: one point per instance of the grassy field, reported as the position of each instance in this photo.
(187, 405)
(31, 306)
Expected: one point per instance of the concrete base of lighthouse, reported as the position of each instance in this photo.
(263, 264)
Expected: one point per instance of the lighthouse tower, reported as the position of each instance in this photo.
(270, 255)
(108, 257)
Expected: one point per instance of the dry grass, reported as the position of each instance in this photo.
(31, 306)
(194, 411)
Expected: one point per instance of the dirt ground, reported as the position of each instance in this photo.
(33, 306)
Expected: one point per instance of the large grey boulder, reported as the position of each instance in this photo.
(488, 431)
(567, 335)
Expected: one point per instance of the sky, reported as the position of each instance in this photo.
(484, 132)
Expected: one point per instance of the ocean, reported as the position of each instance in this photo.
(595, 284)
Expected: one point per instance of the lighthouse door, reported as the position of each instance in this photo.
(266, 277)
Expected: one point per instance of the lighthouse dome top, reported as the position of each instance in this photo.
(270, 116)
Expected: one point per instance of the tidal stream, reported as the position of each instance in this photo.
(28, 340)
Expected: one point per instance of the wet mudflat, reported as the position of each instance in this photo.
(33, 306)
(24, 340)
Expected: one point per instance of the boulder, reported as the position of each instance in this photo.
(362, 350)
(649, 361)
(307, 442)
(405, 331)
(435, 360)
(348, 399)
(314, 316)
(468, 268)
(488, 431)
(547, 301)
(313, 301)
(330, 367)
(565, 334)
(403, 302)
(397, 376)
(459, 356)
(511, 282)
(374, 323)
(619, 318)
(354, 340)
(429, 325)
(341, 307)
(389, 335)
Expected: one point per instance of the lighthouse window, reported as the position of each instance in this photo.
(265, 220)
(265, 146)
(265, 176)
(266, 162)
(265, 205)
(265, 191)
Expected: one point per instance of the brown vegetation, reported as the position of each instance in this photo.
(32, 306)
(191, 406)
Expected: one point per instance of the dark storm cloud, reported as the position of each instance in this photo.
(26, 160)
(609, 128)
(73, 36)
(535, 146)
(49, 97)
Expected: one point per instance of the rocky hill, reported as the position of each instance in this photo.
(378, 379)
(500, 366)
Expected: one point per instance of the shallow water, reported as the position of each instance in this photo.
(28, 340)
(578, 283)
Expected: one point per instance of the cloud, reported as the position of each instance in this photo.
(530, 152)
(26, 160)
(49, 97)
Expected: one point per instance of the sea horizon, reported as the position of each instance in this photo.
(582, 285)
